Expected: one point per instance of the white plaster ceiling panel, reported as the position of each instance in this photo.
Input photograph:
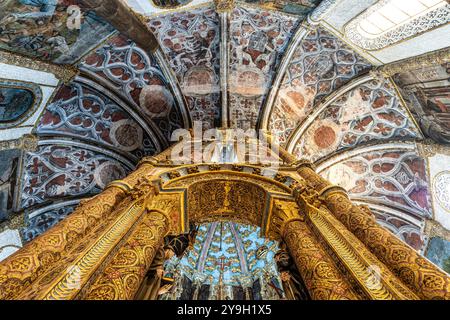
(10, 242)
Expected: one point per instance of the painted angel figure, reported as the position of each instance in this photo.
(46, 10)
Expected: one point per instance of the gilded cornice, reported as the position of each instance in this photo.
(27, 142)
(223, 6)
(65, 73)
(429, 148)
(418, 62)
(282, 212)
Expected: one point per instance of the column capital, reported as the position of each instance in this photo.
(224, 6)
(298, 164)
(121, 184)
(283, 212)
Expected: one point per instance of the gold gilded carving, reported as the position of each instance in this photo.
(174, 175)
(372, 276)
(428, 149)
(223, 6)
(19, 270)
(321, 276)
(423, 61)
(172, 205)
(420, 275)
(268, 184)
(214, 200)
(122, 277)
(58, 284)
(27, 142)
(282, 212)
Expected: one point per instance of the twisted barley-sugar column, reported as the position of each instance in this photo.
(425, 279)
(123, 276)
(18, 271)
(322, 278)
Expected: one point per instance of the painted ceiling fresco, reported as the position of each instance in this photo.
(191, 41)
(330, 107)
(124, 68)
(258, 39)
(395, 179)
(370, 112)
(321, 64)
(47, 29)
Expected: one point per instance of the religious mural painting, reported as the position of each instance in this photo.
(438, 252)
(427, 93)
(371, 111)
(17, 101)
(137, 76)
(258, 39)
(190, 40)
(82, 112)
(52, 30)
(321, 64)
(9, 170)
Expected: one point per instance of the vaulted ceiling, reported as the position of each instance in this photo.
(101, 102)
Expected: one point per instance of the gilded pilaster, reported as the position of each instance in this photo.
(94, 252)
(123, 276)
(373, 279)
(321, 276)
(18, 271)
(421, 276)
(55, 247)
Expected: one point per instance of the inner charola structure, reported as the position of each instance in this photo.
(224, 150)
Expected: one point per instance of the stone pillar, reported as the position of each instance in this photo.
(42, 254)
(123, 276)
(425, 279)
(322, 278)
